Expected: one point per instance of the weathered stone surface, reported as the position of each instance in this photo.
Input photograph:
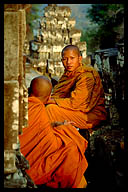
(75, 33)
(16, 7)
(11, 45)
(19, 179)
(82, 45)
(30, 74)
(71, 23)
(15, 94)
(110, 64)
(11, 113)
(9, 161)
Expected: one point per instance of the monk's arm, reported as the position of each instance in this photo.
(80, 96)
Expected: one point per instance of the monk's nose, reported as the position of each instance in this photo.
(68, 60)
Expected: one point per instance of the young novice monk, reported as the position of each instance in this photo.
(55, 154)
(79, 94)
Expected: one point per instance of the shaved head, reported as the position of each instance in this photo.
(40, 87)
(71, 47)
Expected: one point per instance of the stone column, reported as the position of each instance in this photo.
(11, 88)
(15, 94)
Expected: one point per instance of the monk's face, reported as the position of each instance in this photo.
(71, 59)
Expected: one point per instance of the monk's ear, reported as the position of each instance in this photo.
(80, 59)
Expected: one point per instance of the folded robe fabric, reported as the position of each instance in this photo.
(80, 97)
(56, 155)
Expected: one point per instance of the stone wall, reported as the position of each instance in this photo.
(110, 64)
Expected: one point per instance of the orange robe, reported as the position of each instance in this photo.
(80, 98)
(56, 155)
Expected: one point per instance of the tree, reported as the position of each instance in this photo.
(104, 14)
(31, 19)
(92, 40)
(107, 19)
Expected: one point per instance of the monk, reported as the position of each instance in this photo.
(55, 154)
(79, 94)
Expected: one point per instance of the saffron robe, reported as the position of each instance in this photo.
(80, 98)
(56, 155)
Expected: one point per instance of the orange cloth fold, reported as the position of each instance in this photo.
(56, 155)
(80, 93)
(83, 183)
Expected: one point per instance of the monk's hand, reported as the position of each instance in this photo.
(69, 123)
(51, 101)
(65, 122)
(56, 123)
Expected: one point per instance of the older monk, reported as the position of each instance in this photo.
(55, 154)
(79, 94)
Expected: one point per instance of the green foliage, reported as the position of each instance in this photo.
(91, 38)
(103, 14)
(107, 19)
(97, 13)
(33, 15)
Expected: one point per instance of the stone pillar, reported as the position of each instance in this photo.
(15, 93)
(11, 88)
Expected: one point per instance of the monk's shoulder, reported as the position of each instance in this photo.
(35, 106)
(91, 71)
(85, 72)
(88, 68)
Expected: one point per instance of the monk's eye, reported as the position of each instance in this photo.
(64, 59)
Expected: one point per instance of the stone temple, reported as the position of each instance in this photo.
(56, 30)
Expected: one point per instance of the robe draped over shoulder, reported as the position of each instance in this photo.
(56, 155)
(81, 91)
